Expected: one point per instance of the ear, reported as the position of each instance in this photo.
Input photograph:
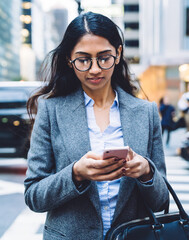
(69, 63)
(119, 50)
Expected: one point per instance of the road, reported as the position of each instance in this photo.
(17, 220)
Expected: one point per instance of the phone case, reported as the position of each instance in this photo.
(120, 153)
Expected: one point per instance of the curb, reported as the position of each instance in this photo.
(13, 170)
(13, 166)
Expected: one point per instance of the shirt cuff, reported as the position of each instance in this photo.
(81, 185)
(149, 182)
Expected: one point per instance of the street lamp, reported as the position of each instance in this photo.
(79, 9)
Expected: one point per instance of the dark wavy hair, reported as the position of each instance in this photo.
(59, 78)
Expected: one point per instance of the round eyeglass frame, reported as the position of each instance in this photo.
(91, 59)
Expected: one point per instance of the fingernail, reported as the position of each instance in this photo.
(123, 169)
(116, 159)
(124, 161)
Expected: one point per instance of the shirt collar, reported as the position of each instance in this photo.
(90, 102)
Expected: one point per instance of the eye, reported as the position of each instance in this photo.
(104, 58)
(83, 60)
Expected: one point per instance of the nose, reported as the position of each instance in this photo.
(95, 69)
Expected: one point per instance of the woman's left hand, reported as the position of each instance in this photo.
(137, 167)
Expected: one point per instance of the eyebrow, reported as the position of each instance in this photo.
(105, 51)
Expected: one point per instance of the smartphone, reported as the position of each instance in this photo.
(120, 153)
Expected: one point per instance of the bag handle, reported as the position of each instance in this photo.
(183, 214)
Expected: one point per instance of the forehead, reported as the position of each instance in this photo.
(92, 44)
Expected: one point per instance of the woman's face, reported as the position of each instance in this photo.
(92, 46)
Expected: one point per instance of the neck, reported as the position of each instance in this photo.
(102, 98)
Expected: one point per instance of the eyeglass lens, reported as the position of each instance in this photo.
(85, 63)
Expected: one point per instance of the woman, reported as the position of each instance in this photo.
(88, 104)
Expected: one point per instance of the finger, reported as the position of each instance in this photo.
(130, 154)
(132, 164)
(92, 155)
(112, 168)
(110, 176)
(103, 163)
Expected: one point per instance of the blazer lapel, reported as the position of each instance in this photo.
(72, 122)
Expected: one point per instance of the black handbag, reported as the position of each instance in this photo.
(167, 226)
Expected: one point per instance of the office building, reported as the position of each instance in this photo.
(164, 47)
(32, 49)
(10, 39)
(56, 21)
(131, 30)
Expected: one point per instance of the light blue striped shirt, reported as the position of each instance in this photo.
(111, 137)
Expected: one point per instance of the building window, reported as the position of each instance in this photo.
(187, 21)
(26, 5)
(132, 43)
(131, 8)
(133, 60)
(131, 26)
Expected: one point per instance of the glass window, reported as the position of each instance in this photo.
(131, 25)
(132, 43)
(187, 21)
(133, 60)
(131, 8)
(10, 95)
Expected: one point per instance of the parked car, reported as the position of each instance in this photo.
(14, 120)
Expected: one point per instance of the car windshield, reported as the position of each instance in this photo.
(10, 95)
(15, 97)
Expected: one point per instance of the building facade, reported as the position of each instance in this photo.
(56, 22)
(157, 45)
(10, 39)
(32, 50)
(164, 47)
(131, 30)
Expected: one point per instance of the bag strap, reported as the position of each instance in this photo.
(183, 214)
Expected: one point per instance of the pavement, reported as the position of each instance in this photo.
(19, 165)
(176, 139)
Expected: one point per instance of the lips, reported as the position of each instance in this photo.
(95, 80)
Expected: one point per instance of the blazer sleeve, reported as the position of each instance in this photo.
(156, 194)
(44, 189)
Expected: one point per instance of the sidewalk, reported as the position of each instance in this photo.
(176, 138)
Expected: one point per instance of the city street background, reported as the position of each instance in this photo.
(158, 57)
(17, 220)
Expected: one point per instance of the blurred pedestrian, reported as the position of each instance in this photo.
(167, 112)
(183, 106)
(88, 104)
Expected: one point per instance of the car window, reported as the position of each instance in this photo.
(18, 95)
(10, 95)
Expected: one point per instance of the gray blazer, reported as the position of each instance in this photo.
(59, 138)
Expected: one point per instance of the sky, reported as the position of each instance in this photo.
(71, 5)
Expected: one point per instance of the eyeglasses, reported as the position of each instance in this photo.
(83, 64)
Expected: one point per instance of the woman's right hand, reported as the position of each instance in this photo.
(92, 167)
